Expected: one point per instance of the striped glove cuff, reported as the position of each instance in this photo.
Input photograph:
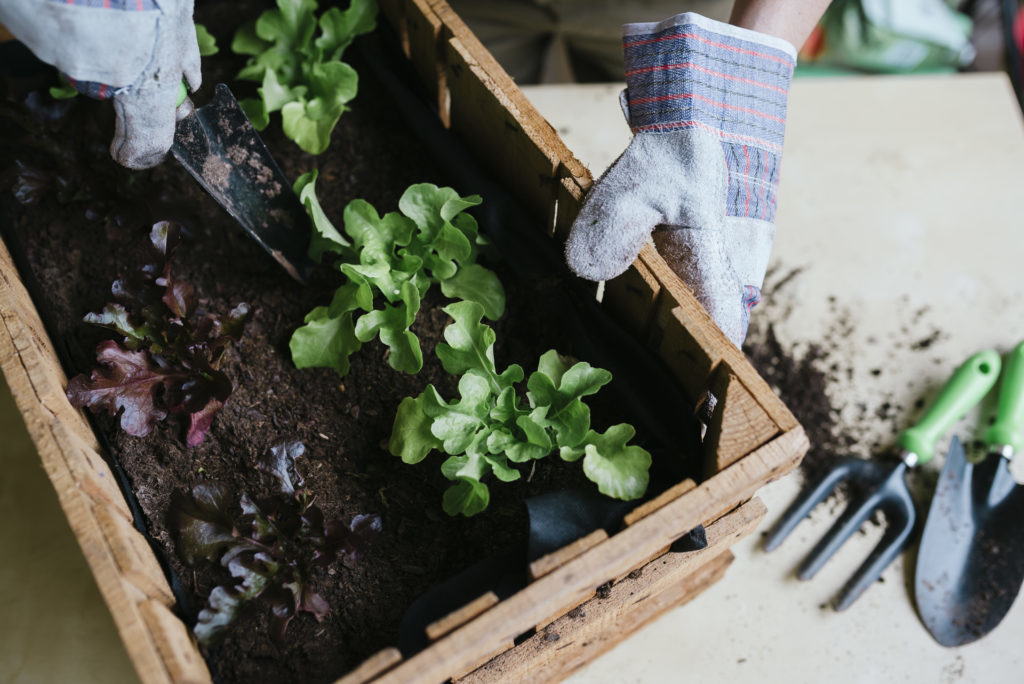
(691, 72)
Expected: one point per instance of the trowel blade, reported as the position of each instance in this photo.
(971, 561)
(220, 148)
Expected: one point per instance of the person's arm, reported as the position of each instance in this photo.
(791, 20)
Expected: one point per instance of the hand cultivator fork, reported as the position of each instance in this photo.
(878, 486)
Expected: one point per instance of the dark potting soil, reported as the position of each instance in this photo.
(81, 233)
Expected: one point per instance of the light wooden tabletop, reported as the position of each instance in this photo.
(900, 204)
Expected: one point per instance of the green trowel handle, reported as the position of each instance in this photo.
(182, 93)
(1006, 431)
(969, 384)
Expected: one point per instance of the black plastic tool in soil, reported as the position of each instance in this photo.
(878, 486)
(218, 145)
(971, 562)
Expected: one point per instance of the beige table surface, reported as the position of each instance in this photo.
(900, 196)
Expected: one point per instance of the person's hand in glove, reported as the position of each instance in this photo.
(135, 51)
(707, 105)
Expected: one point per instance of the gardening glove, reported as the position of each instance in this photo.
(707, 105)
(136, 51)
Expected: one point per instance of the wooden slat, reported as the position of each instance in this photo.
(657, 502)
(738, 425)
(175, 644)
(489, 123)
(557, 559)
(572, 641)
(423, 36)
(703, 342)
(373, 666)
(498, 650)
(457, 618)
(35, 352)
(631, 298)
(133, 555)
(565, 586)
(90, 471)
(24, 352)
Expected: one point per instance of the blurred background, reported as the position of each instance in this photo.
(578, 41)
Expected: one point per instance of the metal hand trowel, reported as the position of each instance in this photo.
(218, 145)
(971, 561)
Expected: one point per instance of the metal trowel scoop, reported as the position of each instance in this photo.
(971, 562)
(218, 145)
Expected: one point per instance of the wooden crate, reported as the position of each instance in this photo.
(560, 624)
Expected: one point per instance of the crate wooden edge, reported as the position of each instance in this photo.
(668, 581)
(132, 586)
(566, 586)
(178, 657)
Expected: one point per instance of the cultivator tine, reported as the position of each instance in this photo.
(890, 546)
(842, 529)
(804, 504)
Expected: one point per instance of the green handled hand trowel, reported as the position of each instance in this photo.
(879, 486)
(971, 561)
(218, 145)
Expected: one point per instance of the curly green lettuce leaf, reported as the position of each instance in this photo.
(207, 43)
(618, 469)
(302, 76)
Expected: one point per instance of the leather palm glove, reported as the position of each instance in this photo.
(707, 105)
(135, 51)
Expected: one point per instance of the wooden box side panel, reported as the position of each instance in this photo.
(126, 570)
(570, 584)
(573, 640)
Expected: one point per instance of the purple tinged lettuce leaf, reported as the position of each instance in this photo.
(127, 380)
(280, 463)
(200, 421)
(156, 315)
(272, 547)
(205, 528)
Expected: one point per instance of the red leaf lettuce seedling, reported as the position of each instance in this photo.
(391, 262)
(488, 430)
(169, 358)
(271, 547)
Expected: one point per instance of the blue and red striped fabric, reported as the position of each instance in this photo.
(100, 91)
(687, 75)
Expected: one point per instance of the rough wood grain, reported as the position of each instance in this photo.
(706, 344)
(565, 586)
(90, 470)
(670, 494)
(573, 640)
(739, 424)
(556, 559)
(460, 616)
(631, 298)
(175, 644)
(372, 666)
(133, 555)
